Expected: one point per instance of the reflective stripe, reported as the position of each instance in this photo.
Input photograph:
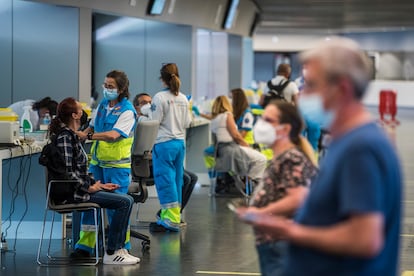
(114, 155)
(170, 205)
(115, 162)
(88, 228)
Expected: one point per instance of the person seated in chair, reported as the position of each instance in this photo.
(62, 130)
(233, 151)
(141, 100)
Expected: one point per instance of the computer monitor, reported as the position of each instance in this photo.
(155, 7)
(230, 14)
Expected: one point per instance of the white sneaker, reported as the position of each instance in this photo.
(129, 255)
(118, 258)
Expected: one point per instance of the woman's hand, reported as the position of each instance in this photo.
(98, 186)
(248, 212)
(109, 187)
(243, 143)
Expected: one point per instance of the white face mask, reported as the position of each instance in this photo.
(265, 133)
(145, 109)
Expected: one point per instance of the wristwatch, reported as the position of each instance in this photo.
(89, 135)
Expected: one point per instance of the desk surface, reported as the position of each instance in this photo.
(16, 151)
(199, 121)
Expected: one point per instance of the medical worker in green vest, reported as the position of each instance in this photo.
(112, 131)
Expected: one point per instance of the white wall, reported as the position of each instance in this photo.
(212, 78)
(404, 89)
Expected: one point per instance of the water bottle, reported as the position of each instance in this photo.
(44, 125)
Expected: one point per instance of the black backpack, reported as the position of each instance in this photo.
(275, 92)
(52, 158)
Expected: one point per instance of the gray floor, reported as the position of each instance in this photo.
(214, 242)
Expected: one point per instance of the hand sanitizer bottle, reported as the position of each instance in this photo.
(25, 122)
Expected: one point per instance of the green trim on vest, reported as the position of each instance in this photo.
(112, 154)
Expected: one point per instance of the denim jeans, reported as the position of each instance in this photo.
(121, 204)
(272, 258)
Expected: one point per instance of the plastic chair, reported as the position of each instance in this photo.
(145, 134)
(64, 209)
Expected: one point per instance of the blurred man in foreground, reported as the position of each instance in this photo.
(350, 222)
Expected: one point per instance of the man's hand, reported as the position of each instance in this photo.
(82, 135)
(274, 226)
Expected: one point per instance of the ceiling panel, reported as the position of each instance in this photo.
(333, 16)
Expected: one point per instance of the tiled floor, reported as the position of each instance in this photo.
(214, 241)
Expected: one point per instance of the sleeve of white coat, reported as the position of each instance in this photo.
(157, 109)
(189, 118)
(125, 123)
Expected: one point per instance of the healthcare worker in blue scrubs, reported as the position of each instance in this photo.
(171, 108)
(112, 131)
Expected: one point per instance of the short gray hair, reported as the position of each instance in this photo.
(341, 56)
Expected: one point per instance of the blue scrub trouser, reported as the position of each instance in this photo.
(168, 161)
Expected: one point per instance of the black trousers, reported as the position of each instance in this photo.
(190, 179)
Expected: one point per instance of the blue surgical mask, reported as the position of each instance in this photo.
(110, 94)
(311, 107)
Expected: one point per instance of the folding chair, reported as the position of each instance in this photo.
(64, 209)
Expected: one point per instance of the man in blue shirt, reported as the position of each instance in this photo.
(350, 222)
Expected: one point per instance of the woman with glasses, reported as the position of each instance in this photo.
(171, 108)
(112, 131)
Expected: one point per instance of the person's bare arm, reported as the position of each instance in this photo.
(295, 99)
(84, 133)
(243, 133)
(361, 235)
(206, 116)
(287, 205)
(109, 136)
(232, 128)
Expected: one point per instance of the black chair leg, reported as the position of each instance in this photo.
(146, 242)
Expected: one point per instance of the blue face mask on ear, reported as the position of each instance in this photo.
(311, 107)
(110, 94)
